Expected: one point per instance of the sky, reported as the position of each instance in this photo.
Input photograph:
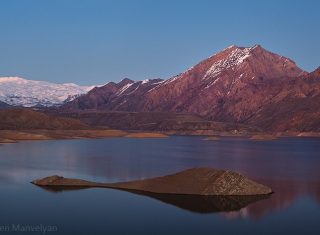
(96, 41)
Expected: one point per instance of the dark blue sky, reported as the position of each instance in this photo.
(93, 42)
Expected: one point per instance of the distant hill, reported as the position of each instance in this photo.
(26, 119)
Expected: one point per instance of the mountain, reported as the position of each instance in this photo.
(296, 106)
(247, 85)
(125, 95)
(228, 86)
(206, 88)
(28, 93)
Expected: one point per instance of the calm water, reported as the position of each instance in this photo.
(290, 166)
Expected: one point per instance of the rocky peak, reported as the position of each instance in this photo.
(314, 75)
(124, 82)
(317, 72)
(247, 63)
(228, 58)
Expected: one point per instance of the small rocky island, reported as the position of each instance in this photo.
(195, 181)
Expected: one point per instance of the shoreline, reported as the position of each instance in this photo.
(15, 136)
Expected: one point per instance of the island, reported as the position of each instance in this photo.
(194, 181)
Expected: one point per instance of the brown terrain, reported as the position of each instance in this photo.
(245, 85)
(7, 136)
(170, 123)
(263, 137)
(22, 119)
(296, 107)
(146, 135)
(195, 181)
(26, 124)
(195, 197)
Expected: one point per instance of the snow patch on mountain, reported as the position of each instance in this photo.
(124, 88)
(236, 57)
(28, 93)
(145, 81)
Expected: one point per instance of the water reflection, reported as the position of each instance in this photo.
(286, 193)
(289, 166)
(193, 203)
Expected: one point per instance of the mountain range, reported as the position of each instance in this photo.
(247, 85)
(17, 91)
(250, 86)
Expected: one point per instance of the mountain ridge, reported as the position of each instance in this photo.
(237, 84)
(244, 85)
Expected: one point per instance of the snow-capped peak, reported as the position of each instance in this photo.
(236, 57)
(11, 79)
(232, 56)
(145, 81)
(22, 92)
